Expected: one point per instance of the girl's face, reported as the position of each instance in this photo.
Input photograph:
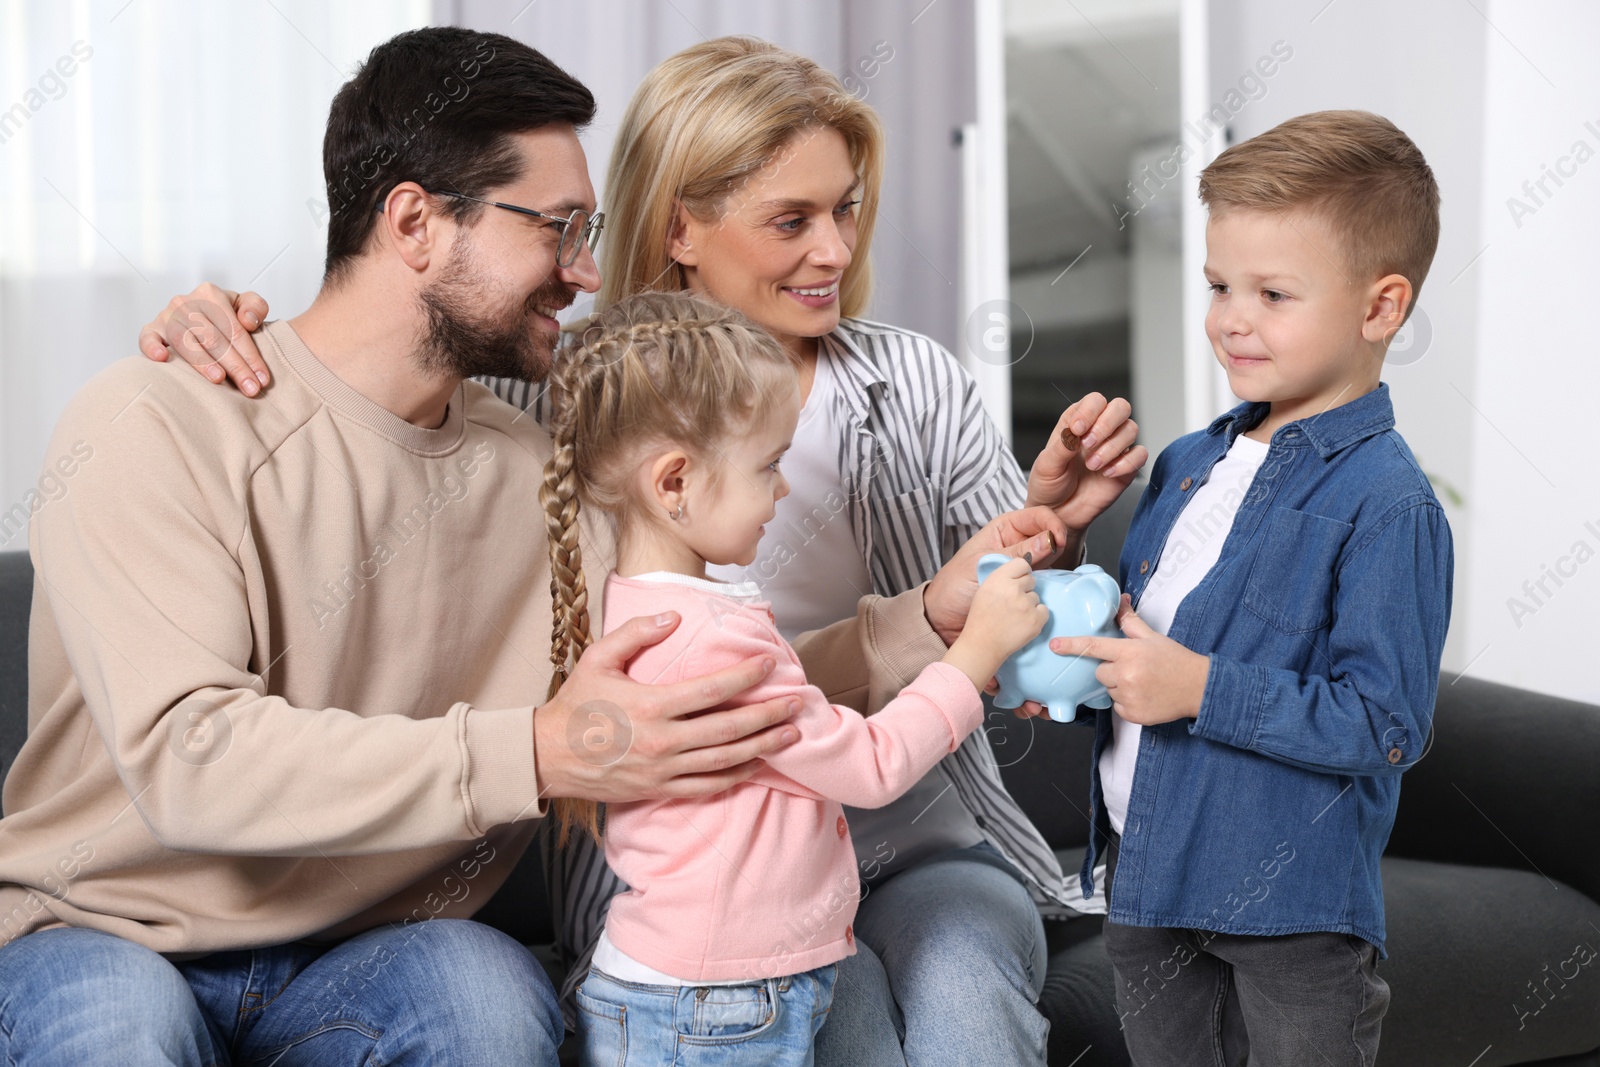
(738, 490)
(780, 246)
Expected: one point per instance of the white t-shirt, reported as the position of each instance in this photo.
(808, 563)
(1192, 549)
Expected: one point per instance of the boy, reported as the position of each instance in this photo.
(1291, 567)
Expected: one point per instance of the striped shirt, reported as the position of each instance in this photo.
(925, 469)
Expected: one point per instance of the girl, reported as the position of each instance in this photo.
(672, 417)
(747, 174)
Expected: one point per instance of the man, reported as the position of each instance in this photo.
(285, 657)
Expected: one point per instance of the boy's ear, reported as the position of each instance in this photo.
(680, 246)
(1386, 313)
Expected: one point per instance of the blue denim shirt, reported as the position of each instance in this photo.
(1324, 621)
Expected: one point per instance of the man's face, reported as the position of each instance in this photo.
(491, 309)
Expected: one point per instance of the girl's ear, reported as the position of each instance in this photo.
(680, 234)
(669, 476)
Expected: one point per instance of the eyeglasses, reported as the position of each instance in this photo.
(578, 229)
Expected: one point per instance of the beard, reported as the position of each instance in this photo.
(465, 340)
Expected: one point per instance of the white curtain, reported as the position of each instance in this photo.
(912, 60)
(146, 145)
(185, 145)
(610, 45)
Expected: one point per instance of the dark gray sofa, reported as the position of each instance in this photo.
(1492, 878)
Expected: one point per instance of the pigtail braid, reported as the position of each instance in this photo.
(569, 593)
(650, 369)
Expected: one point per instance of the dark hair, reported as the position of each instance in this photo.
(435, 106)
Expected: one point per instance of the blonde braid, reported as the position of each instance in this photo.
(652, 368)
(569, 593)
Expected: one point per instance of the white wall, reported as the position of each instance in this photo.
(187, 148)
(1533, 494)
(1495, 403)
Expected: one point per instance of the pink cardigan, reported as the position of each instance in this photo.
(760, 880)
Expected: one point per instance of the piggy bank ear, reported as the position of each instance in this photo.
(1108, 598)
(988, 563)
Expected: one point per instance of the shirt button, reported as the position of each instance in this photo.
(1144, 568)
(843, 829)
(850, 935)
(1185, 484)
(1395, 755)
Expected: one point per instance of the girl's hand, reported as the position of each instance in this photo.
(210, 329)
(1090, 459)
(946, 599)
(1006, 614)
(1151, 678)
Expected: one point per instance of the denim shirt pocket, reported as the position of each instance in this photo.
(1291, 580)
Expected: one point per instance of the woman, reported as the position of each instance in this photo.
(746, 173)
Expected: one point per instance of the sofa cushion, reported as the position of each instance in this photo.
(1467, 946)
(1045, 766)
(521, 907)
(1508, 780)
(16, 600)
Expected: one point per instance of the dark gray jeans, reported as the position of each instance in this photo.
(1195, 997)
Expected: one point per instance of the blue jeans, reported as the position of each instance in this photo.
(445, 991)
(632, 1024)
(949, 965)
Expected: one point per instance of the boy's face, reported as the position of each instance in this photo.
(1286, 316)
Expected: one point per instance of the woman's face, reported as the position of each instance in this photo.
(779, 248)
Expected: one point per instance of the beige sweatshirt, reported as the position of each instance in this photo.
(284, 658)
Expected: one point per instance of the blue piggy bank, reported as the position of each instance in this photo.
(1082, 603)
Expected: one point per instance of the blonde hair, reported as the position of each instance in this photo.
(1356, 171)
(651, 369)
(702, 124)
